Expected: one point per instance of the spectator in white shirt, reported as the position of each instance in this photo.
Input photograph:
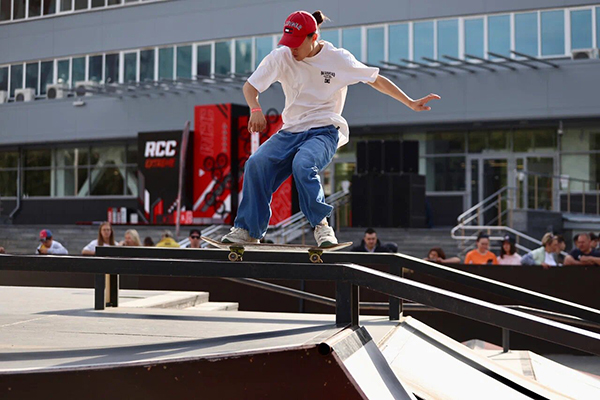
(106, 237)
(508, 252)
(49, 246)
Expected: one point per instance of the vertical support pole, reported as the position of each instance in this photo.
(583, 197)
(499, 209)
(395, 308)
(505, 340)
(535, 179)
(346, 303)
(113, 291)
(99, 291)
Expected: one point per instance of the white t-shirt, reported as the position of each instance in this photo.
(91, 246)
(55, 248)
(515, 259)
(549, 259)
(315, 88)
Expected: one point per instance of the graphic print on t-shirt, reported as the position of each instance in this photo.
(327, 76)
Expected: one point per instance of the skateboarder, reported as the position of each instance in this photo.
(315, 77)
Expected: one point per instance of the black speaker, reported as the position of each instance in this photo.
(410, 204)
(392, 156)
(362, 202)
(375, 157)
(410, 156)
(361, 158)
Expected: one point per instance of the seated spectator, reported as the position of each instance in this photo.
(167, 240)
(371, 244)
(194, 239)
(2, 251)
(593, 240)
(148, 242)
(106, 237)
(49, 246)
(131, 238)
(546, 256)
(583, 254)
(437, 255)
(508, 252)
(481, 255)
(562, 245)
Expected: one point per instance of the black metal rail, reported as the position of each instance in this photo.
(348, 277)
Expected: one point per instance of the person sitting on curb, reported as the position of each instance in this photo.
(546, 256)
(508, 252)
(584, 254)
(49, 246)
(436, 254)
(166, 240)
(371, 244)
(481, 255)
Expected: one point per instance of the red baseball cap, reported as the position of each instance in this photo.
(298, 25)
(45, 234)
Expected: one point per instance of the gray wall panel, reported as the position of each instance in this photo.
(180, 21)
(505, 95)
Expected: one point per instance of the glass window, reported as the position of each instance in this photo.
(423, 40)
(352, 41)
(37, 158)
(49, 7)
(9, 159)
(132, 153)
(526, 33)
(114, 2)
(8, 183)
(108, 181)
(111, 68)
(5, 8)
(4, 79)
(243, 56)
(78, 70)
(19, 9)
(528, 140)
(398, 43)
(264, 45)
(597, 26)
(36, 182)
(16, 78)
(184, 62)
(32, 76)
(330, 35)
(81, 4)
(46, 75)
(222, 58)
(447, 38)
(132, 182)
(72, 157)
(445, 174)
(165, 63)
(474, 37)
(63, 71)
(581, 29)
(113, 155)
(375, 46)
(97, 3)
(499, 34)
(35, 8)
(95, 68)
(445, 142)
(66, 5)
(147, 65)
(130, 64)
(204, 59)
(553, 33)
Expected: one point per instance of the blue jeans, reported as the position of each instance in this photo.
(303, 154)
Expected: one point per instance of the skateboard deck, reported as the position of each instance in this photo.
(237, 249)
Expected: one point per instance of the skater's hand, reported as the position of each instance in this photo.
(420, 104)
(257, 122)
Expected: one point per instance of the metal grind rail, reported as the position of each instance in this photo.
(347, 277)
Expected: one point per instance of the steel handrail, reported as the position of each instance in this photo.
(478, 205)
(487, 227)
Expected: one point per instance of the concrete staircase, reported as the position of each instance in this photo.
(192, 301)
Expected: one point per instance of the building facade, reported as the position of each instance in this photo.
(516, 106)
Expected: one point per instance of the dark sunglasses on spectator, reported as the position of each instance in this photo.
(195, 237)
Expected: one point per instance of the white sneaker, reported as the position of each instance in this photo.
(238, 235)
(325, 236)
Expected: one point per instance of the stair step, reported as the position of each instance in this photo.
(178, 300)
(215, 306)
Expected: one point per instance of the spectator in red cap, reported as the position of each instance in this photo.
(48, 245)
(315, 77)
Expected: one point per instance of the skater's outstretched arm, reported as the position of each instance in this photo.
(384, 85)
(257, 121)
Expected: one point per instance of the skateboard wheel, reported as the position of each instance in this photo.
(315, 258)
(234, 257)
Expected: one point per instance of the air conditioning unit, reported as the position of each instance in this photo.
(57, 91)
(82, 88)
(3, 96)
(583, 54)
(27, 94)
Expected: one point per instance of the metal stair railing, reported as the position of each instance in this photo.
(495, 200)
(459, 232)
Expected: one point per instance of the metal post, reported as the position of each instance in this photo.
(583, 197)
(505, 340)
(499, 209)
(346, 303)
(535, 191)
(395, 308)
(99, 294)
(113, 291)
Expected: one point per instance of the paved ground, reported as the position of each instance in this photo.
(58, 327)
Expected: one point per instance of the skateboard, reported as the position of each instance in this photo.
(236, 250)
